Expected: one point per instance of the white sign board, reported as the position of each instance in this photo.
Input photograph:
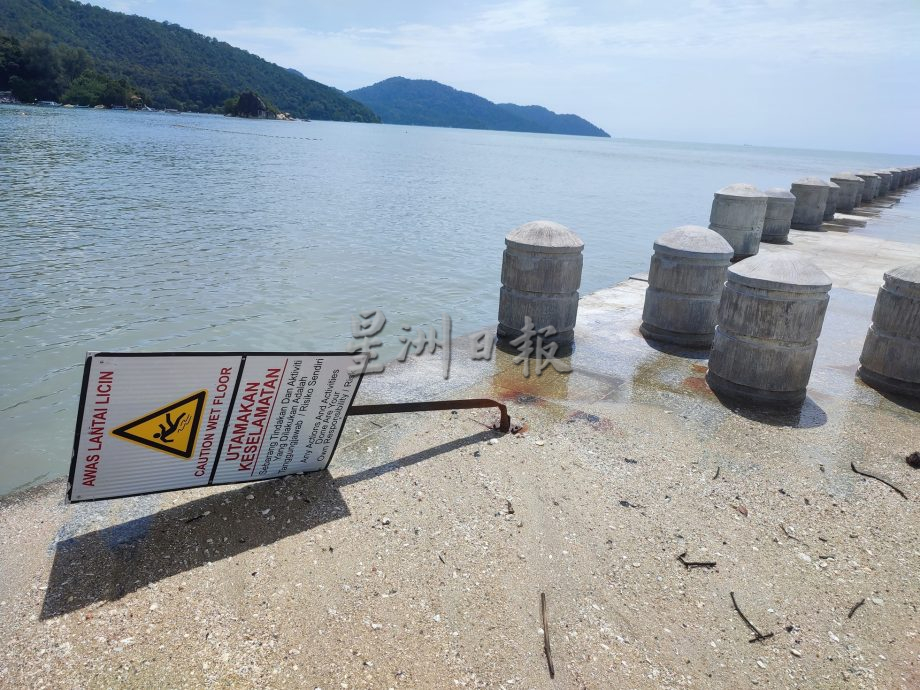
(157, 422)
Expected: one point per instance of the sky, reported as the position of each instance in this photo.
(825, 74)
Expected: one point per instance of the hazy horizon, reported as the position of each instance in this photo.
(826, 75)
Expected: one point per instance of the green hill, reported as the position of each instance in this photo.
(173, 67)
(404, 101)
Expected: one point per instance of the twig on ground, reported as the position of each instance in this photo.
(758, 636)
(878, 479)
(716, 475)
(546, 649)
(786, 532)
(196, 517)
(441, 558)
(695, 564)
(855, 607)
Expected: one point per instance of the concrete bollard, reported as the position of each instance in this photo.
(896, 176)
(850, 191)
(738, 214)
(810, 201)
(778, 218)
(684, 286)
(830, 208)
(893, 182)
(859, 194)
(884, 184)
(541, 274)
(770, 317)
(870, 191)
(890, 358)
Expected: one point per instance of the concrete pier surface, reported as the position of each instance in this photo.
(419, 558)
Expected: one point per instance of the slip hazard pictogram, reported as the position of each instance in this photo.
(171, 429)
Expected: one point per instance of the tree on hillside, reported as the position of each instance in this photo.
(74, 62)
(39, 76)
(92, 88)
(10, 58)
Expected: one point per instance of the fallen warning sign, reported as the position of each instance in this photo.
(157, 422)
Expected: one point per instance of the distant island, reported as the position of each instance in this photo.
(404, 101)
(59, 50)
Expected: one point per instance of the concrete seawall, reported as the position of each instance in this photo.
(418, 560)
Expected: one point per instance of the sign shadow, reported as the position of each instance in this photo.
(109, 563)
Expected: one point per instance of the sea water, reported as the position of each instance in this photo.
(158, 232)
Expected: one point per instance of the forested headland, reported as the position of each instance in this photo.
(68, 51)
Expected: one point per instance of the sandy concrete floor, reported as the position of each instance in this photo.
(419, 560)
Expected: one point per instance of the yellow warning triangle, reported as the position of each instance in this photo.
(171, 429)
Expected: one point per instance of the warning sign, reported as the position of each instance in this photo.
(156, 422)
(172, 429)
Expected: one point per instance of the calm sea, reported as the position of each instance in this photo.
(149, 231)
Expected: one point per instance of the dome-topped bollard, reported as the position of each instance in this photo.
(778, 217)
(850, 191)
(541, 274)
(737, 215)
(770, 316)
(870, 191)
(810, 201)
(684, 285)
(830, 207)
(890, 358)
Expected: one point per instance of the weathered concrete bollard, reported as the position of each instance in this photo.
(884, 184)
(870, 191)
(810, 201)
(684, 286)
(890, 358)
(541, 274)
(898, 177)
(770, 317)
(738, 214)
(830, 208)
(778, 218)
(893, 180)
(850, 191)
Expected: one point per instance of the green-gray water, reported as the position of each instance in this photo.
(150, 231)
